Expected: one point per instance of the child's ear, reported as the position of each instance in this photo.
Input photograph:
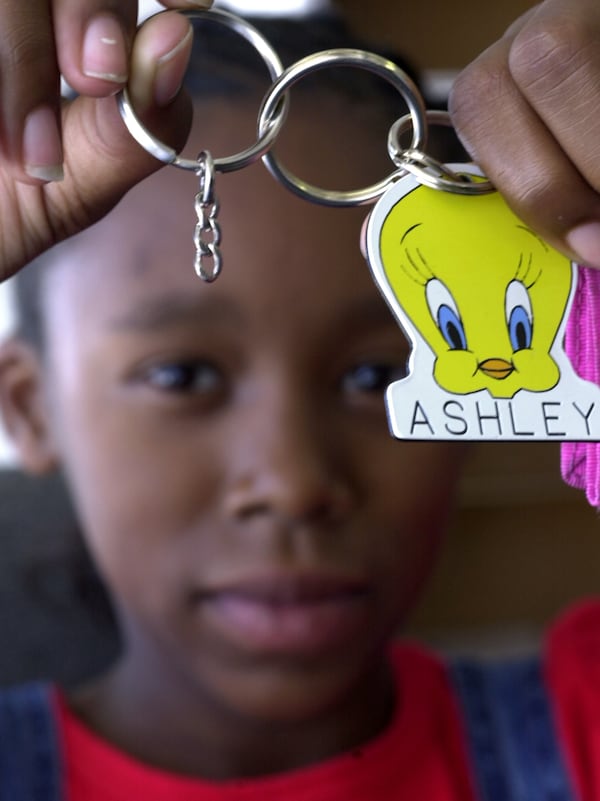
(23, 408)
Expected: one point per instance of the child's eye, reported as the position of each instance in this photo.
(195, 377)
(372, 377)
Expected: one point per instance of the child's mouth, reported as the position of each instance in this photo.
(302, 616)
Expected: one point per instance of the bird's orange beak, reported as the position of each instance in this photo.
(496, 368)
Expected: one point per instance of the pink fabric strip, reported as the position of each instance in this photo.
(580, 461)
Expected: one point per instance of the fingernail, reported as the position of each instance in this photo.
(168, 76)
(42, 149)
(584, 240)
(104, 54)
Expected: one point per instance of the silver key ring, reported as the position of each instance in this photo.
(341, 58)
(268, 133)
(428, 170)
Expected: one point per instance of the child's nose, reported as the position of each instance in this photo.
(288, 466)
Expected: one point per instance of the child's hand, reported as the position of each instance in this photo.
(94, 44)
(528, 111)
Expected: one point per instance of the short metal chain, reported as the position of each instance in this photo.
(207, 235)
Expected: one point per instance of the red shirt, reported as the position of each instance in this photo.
(421, 754)
(572, 665)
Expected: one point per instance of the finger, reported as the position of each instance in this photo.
(511, 143)
(535, 153)
(29, 95)
(39, 37)
(555, 61)
(93, 42)
(160, 56)
(102, 160)
(159, 60)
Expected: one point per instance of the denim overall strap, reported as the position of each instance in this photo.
(511, 732)
(30, 768)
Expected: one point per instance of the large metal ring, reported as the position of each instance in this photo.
(341, 58)
(268, 133)
(428, 170)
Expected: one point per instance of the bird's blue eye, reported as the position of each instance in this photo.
(452, 328)
(519, 316)
(519, 329)
(444, 310)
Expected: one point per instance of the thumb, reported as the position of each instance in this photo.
(102, 160)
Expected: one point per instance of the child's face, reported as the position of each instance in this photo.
(227, 444)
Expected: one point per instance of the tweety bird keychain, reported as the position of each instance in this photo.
(483, 300)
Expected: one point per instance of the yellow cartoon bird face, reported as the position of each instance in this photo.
(482, 289)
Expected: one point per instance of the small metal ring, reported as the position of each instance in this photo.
(268, 134)
(341, 57)
(428, 170)
(205, 170)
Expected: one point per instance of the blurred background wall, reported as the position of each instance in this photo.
(435, 34)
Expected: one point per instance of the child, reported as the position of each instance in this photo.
(260, 533)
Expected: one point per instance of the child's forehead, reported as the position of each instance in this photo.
(280, 253)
